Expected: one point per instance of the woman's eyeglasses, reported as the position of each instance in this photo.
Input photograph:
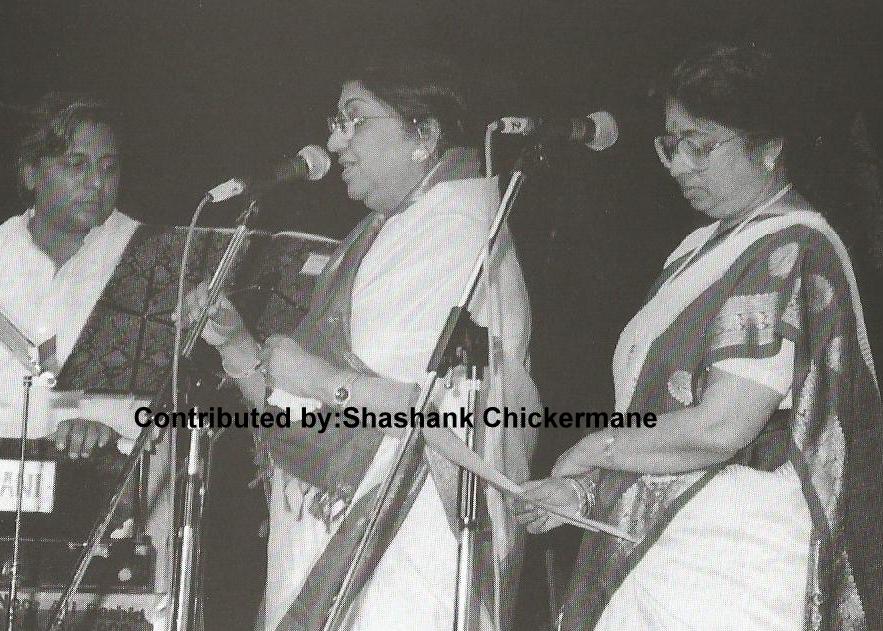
(697, 157)
(342, 123)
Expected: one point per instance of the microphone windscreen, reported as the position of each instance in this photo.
(318, 161)
(606, 131)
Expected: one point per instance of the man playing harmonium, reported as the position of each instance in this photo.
(55, 261)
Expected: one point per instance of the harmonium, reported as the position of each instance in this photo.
(125, 349)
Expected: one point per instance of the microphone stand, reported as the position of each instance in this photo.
(473, 354)
(23, 350)
(183, 574)
(186, 604)
(187, 572)
(27, 382)
(446, 346)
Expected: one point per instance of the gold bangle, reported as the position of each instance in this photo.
(590, 486)
(583, 495)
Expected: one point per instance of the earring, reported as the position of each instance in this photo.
(770, 163)
(420, 154)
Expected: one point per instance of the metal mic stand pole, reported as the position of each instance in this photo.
(28, 381)
(189, 539)
(186, 603)
(473, 355)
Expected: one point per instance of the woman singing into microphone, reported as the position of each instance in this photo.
(398, 133)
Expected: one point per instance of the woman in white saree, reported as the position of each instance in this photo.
(365, 343)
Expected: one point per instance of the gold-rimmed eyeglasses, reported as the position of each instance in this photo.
(697, 157)
(347, 125)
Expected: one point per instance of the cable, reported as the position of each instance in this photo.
(488, 148)
(179, 305)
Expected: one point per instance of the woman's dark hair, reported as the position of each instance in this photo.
(735, 86)
(828, 158)
(420, 87)
(743, 88)
(51, 124)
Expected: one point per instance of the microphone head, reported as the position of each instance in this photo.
(318, 161)
(606, 131)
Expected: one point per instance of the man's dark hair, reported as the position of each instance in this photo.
(52, 122)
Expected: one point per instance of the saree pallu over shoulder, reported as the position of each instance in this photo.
(336, 461)
(784, 277)
(336, 328)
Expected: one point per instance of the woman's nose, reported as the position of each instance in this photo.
(679, 165)
(336, 141)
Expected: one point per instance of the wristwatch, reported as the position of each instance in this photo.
(343, 392)
(585, 488)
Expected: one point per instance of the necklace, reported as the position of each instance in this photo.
(757, 211)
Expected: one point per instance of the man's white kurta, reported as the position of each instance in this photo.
(43, 302)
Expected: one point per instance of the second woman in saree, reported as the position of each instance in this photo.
(756, 498)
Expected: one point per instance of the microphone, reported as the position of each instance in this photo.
(598, 130)
(311, 163)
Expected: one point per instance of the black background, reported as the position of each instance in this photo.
(210, 89)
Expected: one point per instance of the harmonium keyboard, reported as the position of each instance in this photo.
(60, 501)
(125, 349)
